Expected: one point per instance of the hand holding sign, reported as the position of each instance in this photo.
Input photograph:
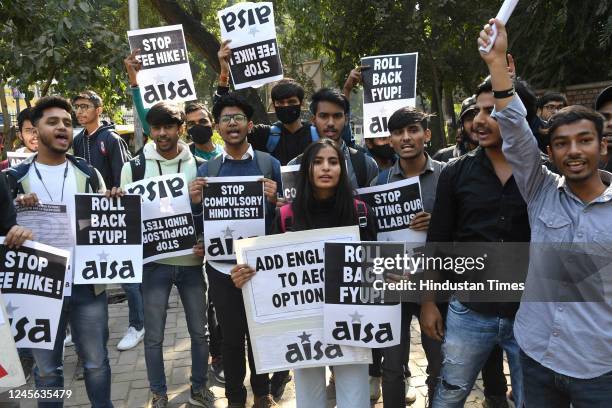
(420, 222)
(17, 235)
(241, 274)
(224, 54)
(27, 200)
(195, 189)
(270, 189)
(133, 66)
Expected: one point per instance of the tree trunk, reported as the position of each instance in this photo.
(207, 45)
(8, 142)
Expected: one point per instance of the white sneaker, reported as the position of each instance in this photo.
(68, 341)
(411, 395)
(375, 390)
(131, 339)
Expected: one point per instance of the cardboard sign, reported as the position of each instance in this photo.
(32, 282)
(234, 208)
(51, 226)
(355, 312)
(168, 229)
(108, 239)
(289, 177)
(388, 85)
(14, 158)
(255, 59)
(165, 73)
(290, 336)
(395, 205)
(11, 373)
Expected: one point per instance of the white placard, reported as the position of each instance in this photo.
(14, 158)
(234, 208)
(108, 239)
(395, 205)
(255, 59)
(165, 73)
(11, 373)
(32, 282)
(388, 85)
(168, 229)
(294, 341)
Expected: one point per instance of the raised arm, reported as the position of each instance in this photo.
(520, 146)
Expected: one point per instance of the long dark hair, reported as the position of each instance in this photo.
(305, 202)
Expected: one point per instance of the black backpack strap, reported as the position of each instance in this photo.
(264, 162)
(358, 160)
(138, 164)
(15, 188)
(93, 182)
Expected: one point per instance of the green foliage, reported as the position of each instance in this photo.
(66, 45)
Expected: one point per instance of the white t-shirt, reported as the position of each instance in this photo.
(53, 180)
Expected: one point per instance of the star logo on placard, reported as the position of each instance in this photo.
(305, 338)
(253, 31)
(165, 205)
(356, 317)
(383, 111)
(228, 233)
(158, 79)
(102, 256)
(10, 309)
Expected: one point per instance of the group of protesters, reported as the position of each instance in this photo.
(523, 169)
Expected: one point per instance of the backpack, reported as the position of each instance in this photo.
(286, 215)
(275, 135)
(92, 185)
(139, 163)
(263, 160)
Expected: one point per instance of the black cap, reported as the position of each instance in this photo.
(603, 97)
(468, 105)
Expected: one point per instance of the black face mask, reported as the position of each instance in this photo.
(384, 152)
(288, 114)
(200, 134)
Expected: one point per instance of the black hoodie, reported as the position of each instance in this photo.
(105, 150)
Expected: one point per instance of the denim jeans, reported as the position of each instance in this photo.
(469, 339)
(133, 292)
(229, 306)
(352, 388)
(157, 281)
(546, 388)
(88, 317)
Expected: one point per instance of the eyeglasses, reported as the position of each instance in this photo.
(238, 118)
(552, 107)
(84, 106)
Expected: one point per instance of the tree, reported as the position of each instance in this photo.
(200, 24)
(62, 44)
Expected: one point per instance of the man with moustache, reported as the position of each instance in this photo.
(53, 175)
(466, 139)
(477, 200)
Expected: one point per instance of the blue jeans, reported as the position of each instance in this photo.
(157, 281)
(547, 388)
(88, 317)
(135, 304)
(469, 339)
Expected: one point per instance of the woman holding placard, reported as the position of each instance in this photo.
(324, 199)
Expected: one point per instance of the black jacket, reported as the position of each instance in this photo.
(8, 216)
(105, 150)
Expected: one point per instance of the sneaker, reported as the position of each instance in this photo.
(27, 363)
(158, 401)
(131, 339)
(202, 398)
(79, 371)
(278, 391)
(495, 401)
(375, 390)
(216, 369)
(410, 392)
(264, 401)
(68, 341)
